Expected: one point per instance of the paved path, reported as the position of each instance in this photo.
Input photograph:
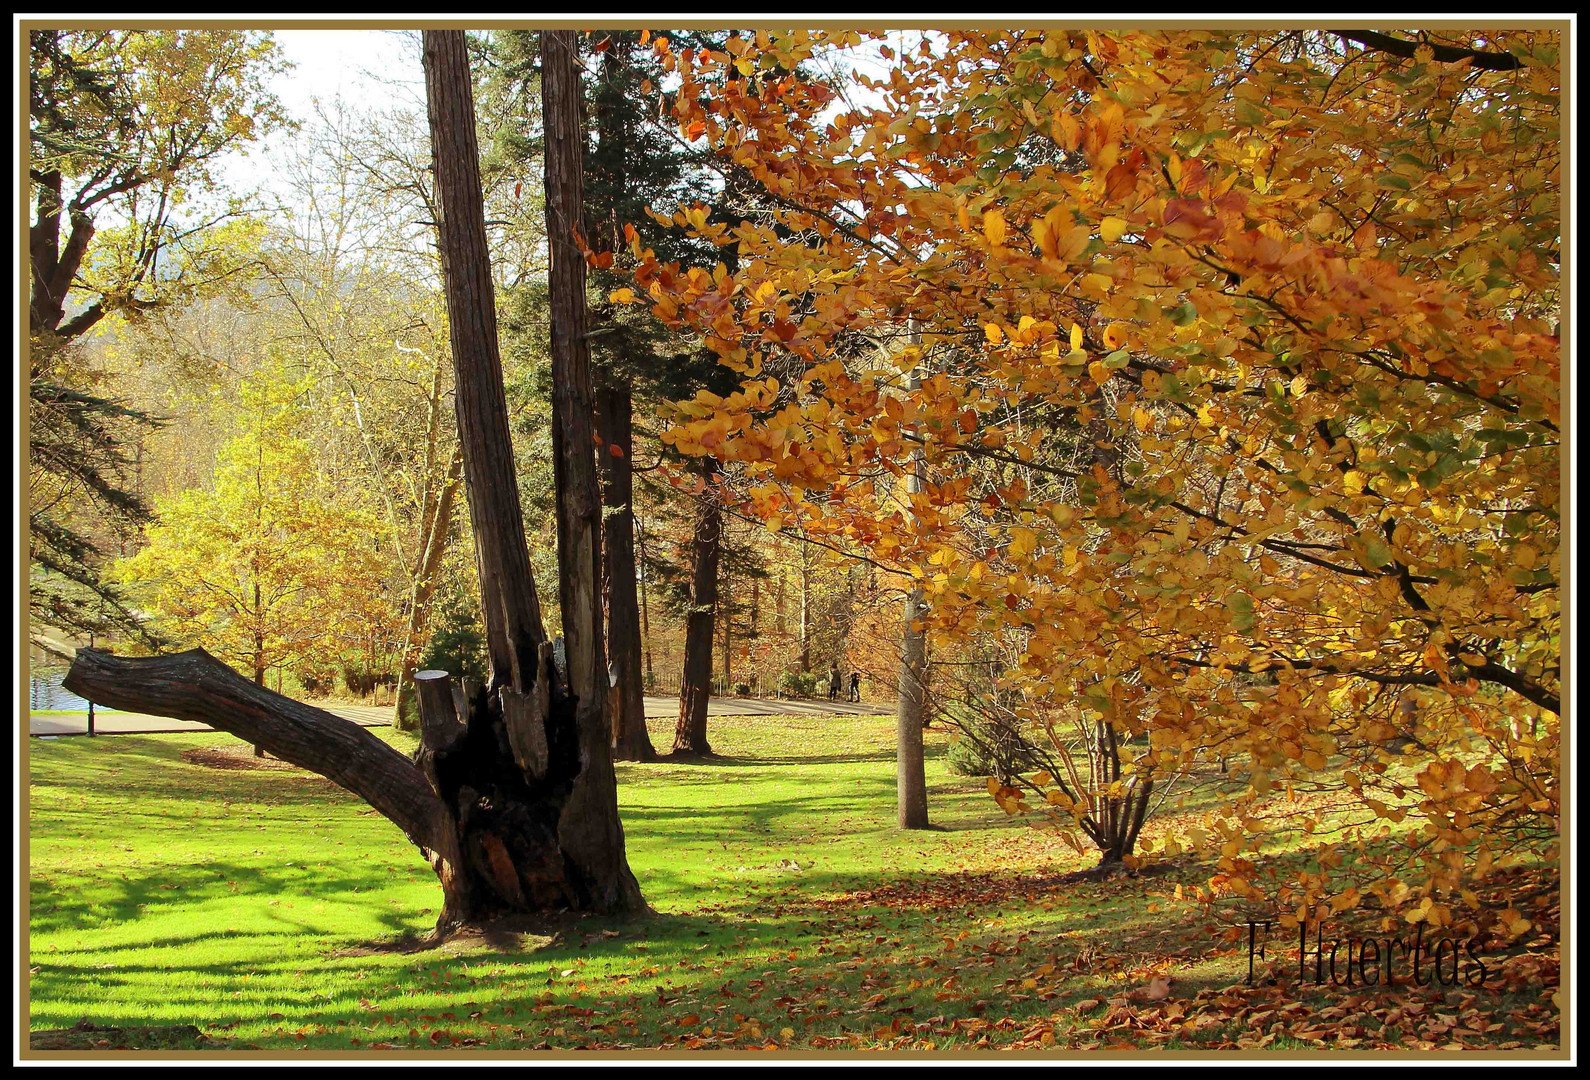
(127, 723)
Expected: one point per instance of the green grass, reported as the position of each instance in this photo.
(790, 911)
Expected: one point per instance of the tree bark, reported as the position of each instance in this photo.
(910, 760)
(508, 595)
(589, 828)
(645, 605)
(695, 686)
(631, 741)
(806, 609)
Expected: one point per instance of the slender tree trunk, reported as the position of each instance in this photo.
(911, 711)
(437, 532)
(806, 609)
(631, 741)
(726, 589)
(508, 595)
(695, 687)
(645, 604)
(778, 602)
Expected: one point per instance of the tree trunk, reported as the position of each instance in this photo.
(508, 594)
(695, 687)
(511, 795)
(911, 711)
(436, 530)
(631, 741)
(806, 609)
(1115, 821)
(589, 829)
(726, 589)
(910, 763)
(645, 604)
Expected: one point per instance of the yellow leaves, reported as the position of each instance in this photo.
(1076, 336)
(1116, 335)
(1098, 372)
(1517, 925)
(621, 296)
(1065, 130)
(993, 333)
(1142, 419)
(994, 227)
(1111, 229)
(1060, 239)
(1022, 542)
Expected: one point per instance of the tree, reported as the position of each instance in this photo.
(131, 122)
(511, 795)
(124, 124)
(81, 466)
(268, 567)
(1252, 430)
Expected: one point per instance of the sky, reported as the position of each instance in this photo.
(363, 66)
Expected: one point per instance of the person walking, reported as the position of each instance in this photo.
(833, 682)
(855, 686)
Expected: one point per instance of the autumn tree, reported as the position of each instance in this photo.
(269, 566)
(349, 295)
(1300, 305)
(124, 127)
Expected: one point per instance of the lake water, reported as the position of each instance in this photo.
(45, 692)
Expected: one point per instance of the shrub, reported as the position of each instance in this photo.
(984, 746)
(798, 683)
(458, 644)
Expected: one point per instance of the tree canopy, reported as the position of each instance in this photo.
(1239, 396)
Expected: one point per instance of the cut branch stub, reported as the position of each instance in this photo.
(439, 712)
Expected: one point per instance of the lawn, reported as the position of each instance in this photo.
(261, 906)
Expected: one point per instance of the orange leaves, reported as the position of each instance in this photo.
(1190, 219)
(1060, 238)
(1120, 183)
